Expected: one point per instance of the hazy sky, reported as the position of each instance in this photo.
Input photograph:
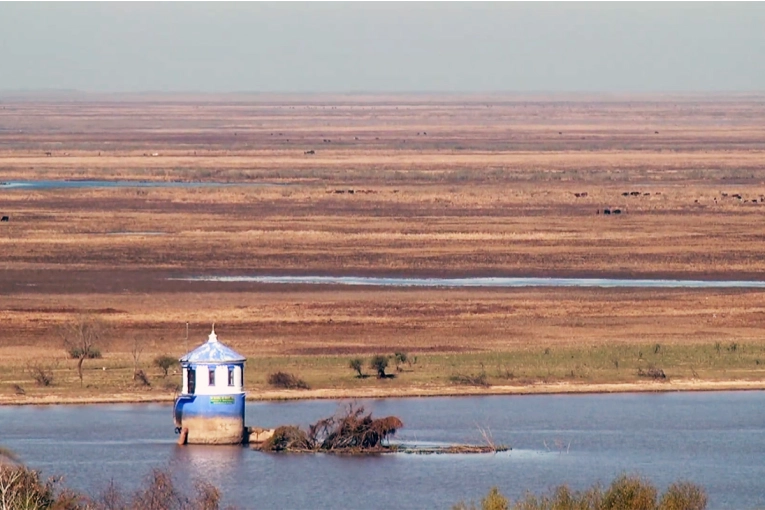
(401, 46)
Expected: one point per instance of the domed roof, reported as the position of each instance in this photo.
(212, 352)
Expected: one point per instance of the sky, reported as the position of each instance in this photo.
(383, 47)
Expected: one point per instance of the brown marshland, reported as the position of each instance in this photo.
(441, 186)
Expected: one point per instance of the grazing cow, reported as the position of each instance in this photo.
(49, 154)
(724, 195)
(577, 195)
(737, 196)
(626, 194)
(339, 191)
(656, 132)
(350, 191)
(635, 193)
(310, 152)
(617, 211)
(583, 194)
(5, 218)
(606, 211)
(646, 194)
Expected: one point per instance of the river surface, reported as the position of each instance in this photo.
(482, 282)
(713, 439)
(55, 184)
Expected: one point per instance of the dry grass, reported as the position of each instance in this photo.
(489, 190)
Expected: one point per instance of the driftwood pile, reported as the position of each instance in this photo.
(352, 431)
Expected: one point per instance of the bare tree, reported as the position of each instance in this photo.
(136, 352)
(81, 337)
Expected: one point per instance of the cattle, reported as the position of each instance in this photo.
(635, 193)
(656, 132)
(646, 194)
(49, 154)
(606, 211)
(724, 195)
(617, 211)
(339, 191)
(736, 196)
(5, 218)
(310, 152)
(626, 194)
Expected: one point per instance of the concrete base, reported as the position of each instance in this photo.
(218, 430)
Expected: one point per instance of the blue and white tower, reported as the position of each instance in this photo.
(210, 409)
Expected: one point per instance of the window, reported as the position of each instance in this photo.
(192, 380)
(212, 375)
(231, 376)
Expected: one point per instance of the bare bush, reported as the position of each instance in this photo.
(42, 374)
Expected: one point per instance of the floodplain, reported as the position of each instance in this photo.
(406, 186)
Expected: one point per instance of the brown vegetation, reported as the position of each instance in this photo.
(442, 186)
(350, 431)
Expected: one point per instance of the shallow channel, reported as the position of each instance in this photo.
(481, 282)
(56, 184)
(713, 439)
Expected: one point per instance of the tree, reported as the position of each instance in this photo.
(356, 364)
(379, 363)
(81, 337)
(164, 363)
(136, 352)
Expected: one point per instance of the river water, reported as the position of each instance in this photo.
(713, 439)
(482, 282)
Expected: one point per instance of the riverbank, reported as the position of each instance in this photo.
(412, 392)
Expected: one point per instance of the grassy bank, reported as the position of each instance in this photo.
(637, 367)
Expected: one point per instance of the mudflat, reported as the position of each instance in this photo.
(384, 185)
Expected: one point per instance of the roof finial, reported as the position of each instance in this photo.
(213, 337)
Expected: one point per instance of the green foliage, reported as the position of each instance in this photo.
(356, 364)
(379, 363)
(287, 381)
(164, 363)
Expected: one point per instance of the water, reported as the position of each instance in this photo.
(45, 184)
(713, 439)
(481, 282)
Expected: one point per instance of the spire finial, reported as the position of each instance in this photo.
(213, 337)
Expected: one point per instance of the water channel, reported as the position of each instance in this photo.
(713, 439)
(482, 282)
(58, 184)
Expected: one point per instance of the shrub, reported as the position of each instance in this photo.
(624, 493)
(356, 364)
(470, 380)
(379, 363)
(683, 496)
(164, 363)
(141, 377)
(42, 375)
(400, 358)
(287, 381)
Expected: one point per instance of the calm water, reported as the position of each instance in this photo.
(714, 439)
(43, 184)
(480, 282)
